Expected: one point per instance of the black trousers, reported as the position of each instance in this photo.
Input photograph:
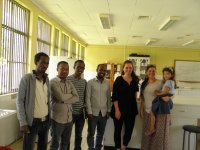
(129, 123)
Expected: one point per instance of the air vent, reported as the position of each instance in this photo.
(144, 17)
(136, 36)
(111, 40)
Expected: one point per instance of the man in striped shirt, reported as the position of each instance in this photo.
(78, 107)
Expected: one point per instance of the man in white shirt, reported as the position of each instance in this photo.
(98, 103)
(33, 104)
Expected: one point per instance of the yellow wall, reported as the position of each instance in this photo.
(161, 57)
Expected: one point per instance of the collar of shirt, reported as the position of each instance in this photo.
(96, 79)
(75, 77)
(44, 76)
(60, 80)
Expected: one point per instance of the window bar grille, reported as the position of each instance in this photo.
(83, 53)
(44, 36)
(73, 48)
(56, 40)
(65, 44)
(15, 34)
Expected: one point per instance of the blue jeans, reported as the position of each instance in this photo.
(100, 123)
(38, 128)
(159, 106)
(79, 122)
(61, 134)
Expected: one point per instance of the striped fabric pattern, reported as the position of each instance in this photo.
(80, 85)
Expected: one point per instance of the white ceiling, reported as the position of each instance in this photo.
(82, 18)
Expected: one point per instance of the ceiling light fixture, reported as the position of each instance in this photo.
(105, 20)
(169, 22)
(111, 40)
(150, 41)
(188, 43)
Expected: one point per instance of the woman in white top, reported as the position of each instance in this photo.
(159, 140)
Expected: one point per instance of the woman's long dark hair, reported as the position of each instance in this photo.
(145, 82)
(133, 75)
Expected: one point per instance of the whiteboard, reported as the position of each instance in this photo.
(188, 71)
(53, 65)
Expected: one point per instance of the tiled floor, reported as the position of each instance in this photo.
(18, 144)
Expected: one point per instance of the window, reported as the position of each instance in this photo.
(73, 49)
(65, 45)
(14, 50)
(56, 40)
(79, 51)
(82, 52)
(44, 36)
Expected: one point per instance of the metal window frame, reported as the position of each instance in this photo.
(56, 41)
(64, 50)
(40, 40)
(13, 64)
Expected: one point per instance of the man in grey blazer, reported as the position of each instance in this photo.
(33, 105)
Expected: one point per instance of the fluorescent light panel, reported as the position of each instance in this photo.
(188, 43)
(150, 41)
(169, 22)
(105, 21)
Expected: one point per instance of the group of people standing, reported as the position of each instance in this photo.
(66, 100)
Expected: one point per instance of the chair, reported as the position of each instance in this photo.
(190, 129)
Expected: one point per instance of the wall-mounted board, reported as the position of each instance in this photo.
(187, 71)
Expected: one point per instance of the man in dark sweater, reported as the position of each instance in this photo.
(78, 107)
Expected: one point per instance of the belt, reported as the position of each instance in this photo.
(41, 119)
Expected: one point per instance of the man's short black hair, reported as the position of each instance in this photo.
(39, 55)
(61, 62)
(78, 61)
(101, 65)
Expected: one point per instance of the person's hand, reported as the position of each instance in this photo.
(166, 98)
(108, 115)
(142, 114)
(117, 114)
(90, 116)
(24, 129)
(156, 92)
